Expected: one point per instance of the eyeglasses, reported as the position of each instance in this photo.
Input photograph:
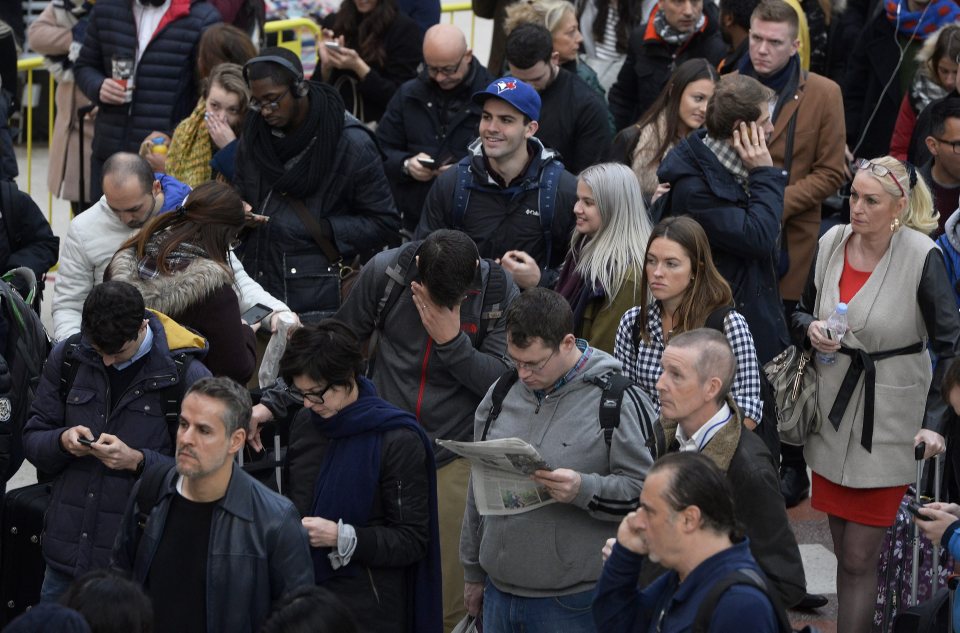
(271, 106)
(303, 397)
(954, 144)
(445, 70)
(880, 172)
(531, 367)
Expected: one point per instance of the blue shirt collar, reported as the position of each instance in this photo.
(142, 351)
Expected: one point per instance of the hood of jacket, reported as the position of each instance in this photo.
(692, 158)
(172, 293)
(177, 338)
(950, 230)
(542, 156)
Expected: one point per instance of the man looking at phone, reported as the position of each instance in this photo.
(431, 120)
(509, 192)
(723, 177)
(109, 390)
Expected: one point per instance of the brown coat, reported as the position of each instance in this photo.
(816, 172)
(50, 35)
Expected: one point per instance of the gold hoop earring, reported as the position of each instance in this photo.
(895, 225)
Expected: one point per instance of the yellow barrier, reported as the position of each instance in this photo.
(28, 65)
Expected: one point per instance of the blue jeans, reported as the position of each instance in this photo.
(507, 613)
(55, 584)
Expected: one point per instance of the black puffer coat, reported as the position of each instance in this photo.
(165, 81)
(283, 257)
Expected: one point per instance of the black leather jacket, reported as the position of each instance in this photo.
(258, 550)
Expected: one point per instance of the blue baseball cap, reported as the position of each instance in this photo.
(520, 95)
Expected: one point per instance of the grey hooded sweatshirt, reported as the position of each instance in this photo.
(555, 550)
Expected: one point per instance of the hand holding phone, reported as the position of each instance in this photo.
(914, 508)
(86, 441)
(429, 163)
(256, 314)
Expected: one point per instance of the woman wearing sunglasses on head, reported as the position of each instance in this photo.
(363, 477)
(874, 385)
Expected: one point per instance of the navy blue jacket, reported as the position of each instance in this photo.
(88, 498)
(25, 236)
(258, 550)
(414, 122)
(621, 608)
(165, 85)
(743, 230)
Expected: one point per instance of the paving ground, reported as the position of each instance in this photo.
(809, 525)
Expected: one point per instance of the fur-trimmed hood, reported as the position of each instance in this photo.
(172, 293)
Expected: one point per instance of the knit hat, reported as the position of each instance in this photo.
(520, 95)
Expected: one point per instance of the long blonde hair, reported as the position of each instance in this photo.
(919, 213)
(607, 257)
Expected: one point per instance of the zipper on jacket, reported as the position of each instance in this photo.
(400, 498)
(373, 585)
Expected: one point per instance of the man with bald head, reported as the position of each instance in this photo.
(431, 118)
(698, 414)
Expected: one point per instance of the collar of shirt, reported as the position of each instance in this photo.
(706, 432)
(141, 352)
(584, 347)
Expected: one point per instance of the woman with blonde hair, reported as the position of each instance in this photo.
(599, 276)
(874, 383)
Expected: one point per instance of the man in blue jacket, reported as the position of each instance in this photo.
(159, 38)
(103, 412)
(686, 522)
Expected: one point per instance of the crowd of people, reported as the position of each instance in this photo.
(593, 245)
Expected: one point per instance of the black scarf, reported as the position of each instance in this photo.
(313, 145)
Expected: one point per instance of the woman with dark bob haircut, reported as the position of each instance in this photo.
(363, 477)
(110, 603)
(178, 262)
(310, 610)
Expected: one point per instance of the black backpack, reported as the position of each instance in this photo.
(751, 578)
(26, 349)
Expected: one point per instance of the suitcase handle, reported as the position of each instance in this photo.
(919, 450)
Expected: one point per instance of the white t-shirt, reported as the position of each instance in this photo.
(147, 19)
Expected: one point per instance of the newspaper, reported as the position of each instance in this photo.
(501, 472)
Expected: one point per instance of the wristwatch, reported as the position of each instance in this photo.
(405, 168)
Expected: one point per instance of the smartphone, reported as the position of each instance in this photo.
(85, 441)
(256, 314)
(914, 508)
(330, 44)
(429, 163)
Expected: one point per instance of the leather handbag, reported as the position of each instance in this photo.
(794, 380)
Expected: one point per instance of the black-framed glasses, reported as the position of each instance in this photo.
(270, 106)
(532, 367)
(445, 70)
(303, 397)
(880, 172)
(953, 144)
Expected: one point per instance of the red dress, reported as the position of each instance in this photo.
(869, 506)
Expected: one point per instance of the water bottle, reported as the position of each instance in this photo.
(836, 328)
(270, 364)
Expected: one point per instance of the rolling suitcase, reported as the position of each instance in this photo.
(21, 561)
(912, 571)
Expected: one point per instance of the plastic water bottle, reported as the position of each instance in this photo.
(836, 328)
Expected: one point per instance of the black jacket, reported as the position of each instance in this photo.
(743, 232)
(258, 550)
(423, 118)
(403, 42)
(573, 121)
(165, 82)
(394, 537)
(650, 62)
(25, 235)
(501, 219)
(282, 256)
(869, 67)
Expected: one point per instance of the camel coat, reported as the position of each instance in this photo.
(50, 34)
(815, 173)
(906, 299)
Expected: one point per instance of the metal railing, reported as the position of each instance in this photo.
(299, 26)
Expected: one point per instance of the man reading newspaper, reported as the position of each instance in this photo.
(529, 564)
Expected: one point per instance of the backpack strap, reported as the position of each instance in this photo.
(69, 366)
(717, 318)
(493, 297)
(549, 185)
(397, 282)
(612, 386)
(461, 195)
(500, 390)
(744, 576)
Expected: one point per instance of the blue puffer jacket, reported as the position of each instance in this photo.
(165, 89)
(88, 498)
(949, 244)
(743, 231)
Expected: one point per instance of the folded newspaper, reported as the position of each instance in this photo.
(501, 472)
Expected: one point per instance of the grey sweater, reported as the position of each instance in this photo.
(555, 550)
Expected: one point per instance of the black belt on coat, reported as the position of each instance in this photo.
(862, 362)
